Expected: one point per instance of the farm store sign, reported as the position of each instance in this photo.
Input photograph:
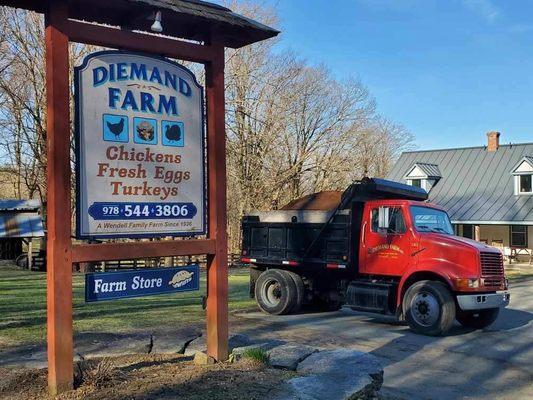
(140, 147)
(118, 285)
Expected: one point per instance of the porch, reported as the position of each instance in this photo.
(515, 241)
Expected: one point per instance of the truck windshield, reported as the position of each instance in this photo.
(428, 219)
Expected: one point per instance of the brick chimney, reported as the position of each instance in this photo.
(493, 141)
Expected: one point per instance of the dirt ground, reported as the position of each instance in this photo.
(151, 377)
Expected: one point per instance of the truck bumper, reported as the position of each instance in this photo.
(482, 301)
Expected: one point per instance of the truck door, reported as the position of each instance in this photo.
(385, 252)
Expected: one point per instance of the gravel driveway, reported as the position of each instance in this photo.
(495, 363)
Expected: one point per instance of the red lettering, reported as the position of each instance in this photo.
(111, 153)
(102, 167)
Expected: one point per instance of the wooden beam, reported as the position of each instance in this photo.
(217, 264)
(98, 35)
(477, 233)
(30, 252)
(133, 250)
(58, 265)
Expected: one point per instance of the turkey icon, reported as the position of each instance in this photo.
(115, 128)
(173, 133)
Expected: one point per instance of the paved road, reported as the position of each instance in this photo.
(495, 363)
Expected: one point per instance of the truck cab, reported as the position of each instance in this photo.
(384, 249)
(417, 241)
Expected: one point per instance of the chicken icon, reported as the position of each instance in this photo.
(173, 133)
(116, 128)
(181, 278)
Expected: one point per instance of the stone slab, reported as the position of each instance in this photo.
(174, 342)
(86, 345)
(234, 341)
(335, 375)
(288, 356)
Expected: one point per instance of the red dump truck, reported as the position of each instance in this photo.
(382, 249)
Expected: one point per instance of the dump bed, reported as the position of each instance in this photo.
(286, 236)
(317, 238)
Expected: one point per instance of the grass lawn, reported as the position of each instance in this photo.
(518, 272)
(23, 307)
(517, 276)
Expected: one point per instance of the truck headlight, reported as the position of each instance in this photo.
(474, 283)
(468, 283)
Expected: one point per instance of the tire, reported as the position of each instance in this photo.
(254, 274)
(300, 290)
(478, 319)
(429, 308)
(275, 292)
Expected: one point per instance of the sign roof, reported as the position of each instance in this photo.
(188, 19)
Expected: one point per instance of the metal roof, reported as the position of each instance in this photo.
(188, 19)
(431, 170)
(476, 185)
(20, 225)
(20, 219)
(19, 205)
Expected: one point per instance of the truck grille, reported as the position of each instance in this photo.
(492, 269)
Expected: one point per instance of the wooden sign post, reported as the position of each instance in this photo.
(214, 28)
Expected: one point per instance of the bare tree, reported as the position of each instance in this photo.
(322, 114)
(378, 145)
(22, 111)
(23, 98)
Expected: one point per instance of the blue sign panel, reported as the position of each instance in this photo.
(120, 211)
(143, 282)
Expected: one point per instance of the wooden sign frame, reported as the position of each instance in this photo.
(61, 252)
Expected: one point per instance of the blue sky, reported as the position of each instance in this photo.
(449, 70)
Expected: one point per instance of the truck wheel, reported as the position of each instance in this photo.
(300, 290)
(275, 292)
(429, 308)
(478, 319)
(254, 274)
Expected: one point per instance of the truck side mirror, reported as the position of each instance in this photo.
(383, 218)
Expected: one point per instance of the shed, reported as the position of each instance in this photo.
(20, 222)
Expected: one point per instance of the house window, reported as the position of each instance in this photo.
(524, 184)
(423, 175)
(468, 231)
(518, 236)
(416, 183)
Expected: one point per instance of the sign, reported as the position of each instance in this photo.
(101, 286)
(140, 147)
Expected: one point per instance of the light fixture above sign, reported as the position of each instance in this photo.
(156, 26)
